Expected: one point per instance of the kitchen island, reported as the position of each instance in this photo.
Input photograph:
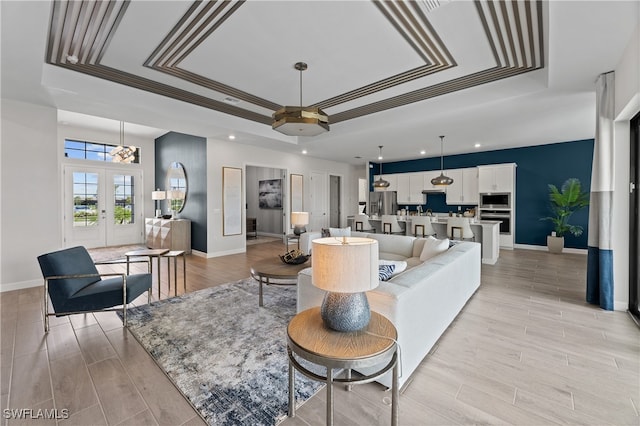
(486, 232)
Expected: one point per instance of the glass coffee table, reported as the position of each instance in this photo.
(274, 269)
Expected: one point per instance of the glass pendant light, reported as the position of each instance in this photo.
(441, 180)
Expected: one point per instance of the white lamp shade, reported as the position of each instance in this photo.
(299, 218)
(345, 264)
(158, 195)
(175, 194)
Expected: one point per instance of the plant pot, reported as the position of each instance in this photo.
(555, 244)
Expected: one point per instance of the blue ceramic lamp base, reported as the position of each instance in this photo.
(345, 311)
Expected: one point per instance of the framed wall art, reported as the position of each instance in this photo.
(231, 201)
(270, 194)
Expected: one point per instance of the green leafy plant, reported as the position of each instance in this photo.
(564, 202)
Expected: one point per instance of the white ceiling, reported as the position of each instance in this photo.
(348, 46)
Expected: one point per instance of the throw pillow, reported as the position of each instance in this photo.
(325, 233)
(385, 272)
(433, 247)
(340, 232)
(398, 265)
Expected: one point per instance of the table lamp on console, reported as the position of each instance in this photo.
(346, 267)
(158, 196)
(299, 220)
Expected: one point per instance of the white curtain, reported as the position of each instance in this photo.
(600, 249)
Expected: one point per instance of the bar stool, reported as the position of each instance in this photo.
(421, 226)
(175, 254)
(462, 226)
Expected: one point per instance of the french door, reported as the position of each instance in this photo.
(102, 206)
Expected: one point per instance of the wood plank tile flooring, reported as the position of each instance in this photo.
(526, 350)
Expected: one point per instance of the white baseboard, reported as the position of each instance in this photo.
(544, 248)
(198, 253)
(225, 253)
(20, 285)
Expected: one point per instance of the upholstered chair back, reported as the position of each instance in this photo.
(71, 261)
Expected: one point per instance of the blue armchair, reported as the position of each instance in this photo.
(75, 286)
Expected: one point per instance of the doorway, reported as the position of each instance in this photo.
(266, 196)
(100, 206)
(634, 218)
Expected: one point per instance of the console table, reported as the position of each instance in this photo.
(171, 234)
(373, 347)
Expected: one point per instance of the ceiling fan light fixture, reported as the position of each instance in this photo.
(380, 184)
(300, 120)
(441, 180)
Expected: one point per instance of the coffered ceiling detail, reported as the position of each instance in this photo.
(81, 38)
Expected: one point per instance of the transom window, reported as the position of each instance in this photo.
(101, 152)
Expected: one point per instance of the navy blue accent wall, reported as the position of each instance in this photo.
(191, 151)
(538, 166)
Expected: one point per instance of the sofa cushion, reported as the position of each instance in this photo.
(399, 245)
(433, 247)
(340, 232)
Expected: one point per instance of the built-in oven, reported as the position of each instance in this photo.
(495, 200)
(504, 216)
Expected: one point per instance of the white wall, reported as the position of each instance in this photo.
(29, 215)
(627, 104)
(31, 158)
(231, 154)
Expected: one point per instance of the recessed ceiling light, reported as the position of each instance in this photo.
(477, 145)
(423, 152)
(72, 59)
(304, 151)
(232, 137)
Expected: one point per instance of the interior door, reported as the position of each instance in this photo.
(100, 206)
(318, 217)
(334, 201)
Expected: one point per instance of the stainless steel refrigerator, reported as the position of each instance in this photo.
(383, 202)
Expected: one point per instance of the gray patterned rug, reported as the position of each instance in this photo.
(224, 353)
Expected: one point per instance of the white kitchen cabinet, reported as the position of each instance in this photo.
(392, 179)
(464, 189)
(454, 191)
(409, 187)
(496, 178)
(470, 186)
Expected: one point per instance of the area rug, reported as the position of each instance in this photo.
(224, 353)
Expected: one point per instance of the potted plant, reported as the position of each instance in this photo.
(564, 202)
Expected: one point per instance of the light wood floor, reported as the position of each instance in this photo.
(526, 350)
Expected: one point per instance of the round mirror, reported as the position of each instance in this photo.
(176, 187)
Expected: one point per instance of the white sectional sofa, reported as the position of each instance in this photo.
(421, 301)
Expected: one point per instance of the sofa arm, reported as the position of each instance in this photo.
(309, 296)
(305, 241)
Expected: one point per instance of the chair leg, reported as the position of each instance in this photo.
(46, 307)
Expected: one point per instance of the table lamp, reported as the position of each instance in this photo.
(157, 196)
(299, 220)
(345, 267)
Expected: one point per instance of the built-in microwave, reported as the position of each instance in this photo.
(495, 200)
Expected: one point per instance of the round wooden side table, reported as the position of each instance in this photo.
(374, 346)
